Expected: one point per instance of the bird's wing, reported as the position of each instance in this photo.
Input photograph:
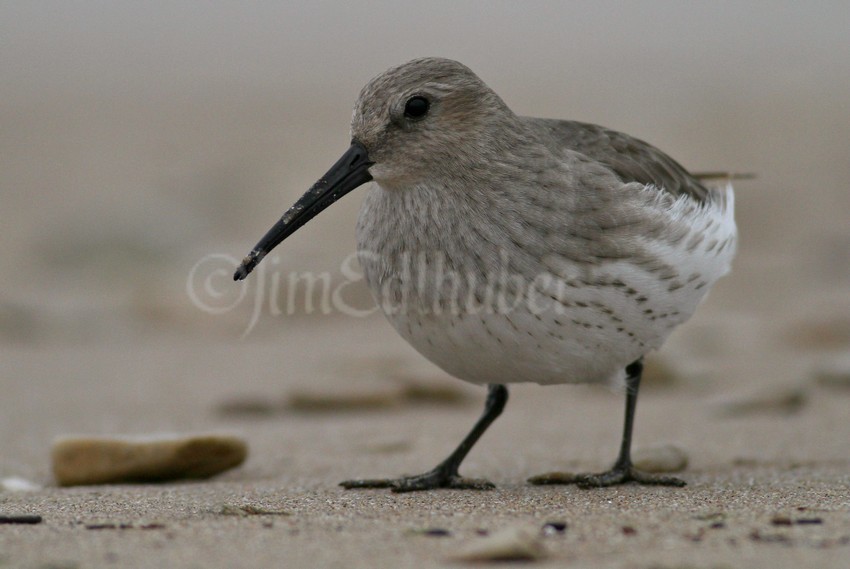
(631, 159)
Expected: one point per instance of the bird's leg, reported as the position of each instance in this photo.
(623, 470)
(446, 475)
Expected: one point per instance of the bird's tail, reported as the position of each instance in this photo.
(719, 186)
(719, 177)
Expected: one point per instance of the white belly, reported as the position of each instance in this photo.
(569, 323)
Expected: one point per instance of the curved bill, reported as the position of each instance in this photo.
(349, 172)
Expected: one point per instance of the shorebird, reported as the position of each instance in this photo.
(515, 249)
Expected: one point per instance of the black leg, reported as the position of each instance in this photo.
(446, 475)
(623, 471)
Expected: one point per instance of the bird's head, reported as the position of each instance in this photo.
(427, 117)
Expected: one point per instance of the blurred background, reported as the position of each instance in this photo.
(137, 140)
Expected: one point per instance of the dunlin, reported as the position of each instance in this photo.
(514, 249)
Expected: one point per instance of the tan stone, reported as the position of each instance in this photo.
(660, 458)
(107, 460)
(518, 543)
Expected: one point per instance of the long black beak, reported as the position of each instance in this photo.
(349, 172)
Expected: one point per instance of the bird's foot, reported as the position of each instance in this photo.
(432, 480)
(624, 475)
(613, 477)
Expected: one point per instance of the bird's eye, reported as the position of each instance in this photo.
(416, 107)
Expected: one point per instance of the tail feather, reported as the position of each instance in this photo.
(722, 176)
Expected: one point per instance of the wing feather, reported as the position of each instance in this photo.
(630, 159)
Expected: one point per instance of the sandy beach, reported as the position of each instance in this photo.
(748, 472)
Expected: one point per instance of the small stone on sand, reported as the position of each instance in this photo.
(510, 544)
(18, 484)
(25, 519)
(660, 458)
(249, 510)
(430, 532)
(109, 460)
(554, 527)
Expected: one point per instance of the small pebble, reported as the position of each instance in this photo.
(151, 525)
(249, 510)
(711, 517)
(110, 460)
(107, 525)
(510, 544)
(437, 532)
(18, 484)
(430, 532)
(21, 519)
(788, 521)
(660, 458)
(756, 535)
(554, 527)
(124, 525)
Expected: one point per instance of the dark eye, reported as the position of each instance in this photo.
(416, 107)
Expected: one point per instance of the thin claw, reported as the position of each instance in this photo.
(652, 479)
(617, 476)
(428, 481)
(612, 477)
(445, 474)
(418, 483)
(369, 483)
